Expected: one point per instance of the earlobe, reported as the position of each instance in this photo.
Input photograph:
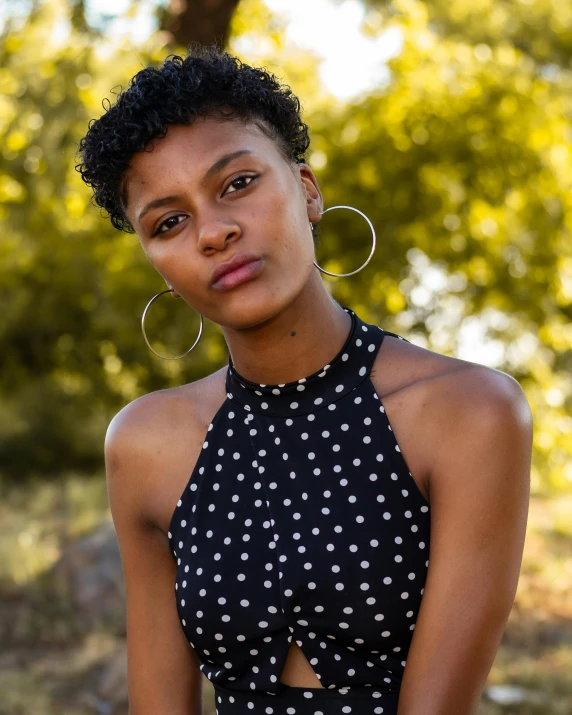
(173, 291)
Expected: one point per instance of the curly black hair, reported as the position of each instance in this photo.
(205, 82)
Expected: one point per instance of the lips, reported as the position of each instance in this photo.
(236, 270)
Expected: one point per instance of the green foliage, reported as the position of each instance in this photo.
(462, 163)
(538, 28)
(73, 287)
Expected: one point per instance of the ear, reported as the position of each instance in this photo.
(173, 291)
(311, 189)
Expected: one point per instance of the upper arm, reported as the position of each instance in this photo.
(163, 669)
(481, 442)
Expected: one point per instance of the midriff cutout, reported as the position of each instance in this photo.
(297, 672)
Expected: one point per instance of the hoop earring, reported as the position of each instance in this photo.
(344, 275)
(164, 357)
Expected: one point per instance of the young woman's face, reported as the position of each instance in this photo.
(220, 191)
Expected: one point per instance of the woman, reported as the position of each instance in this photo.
(275, 517)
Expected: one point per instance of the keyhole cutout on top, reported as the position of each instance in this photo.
(297, 671)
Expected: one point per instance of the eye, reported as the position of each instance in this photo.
(168, 224)
(240, 179)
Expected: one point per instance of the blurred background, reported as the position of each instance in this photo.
(448, 122)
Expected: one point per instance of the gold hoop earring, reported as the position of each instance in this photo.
(164, 357)
(344, 275)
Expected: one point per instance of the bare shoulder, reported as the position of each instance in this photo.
(469, 427)
(437, 404)
(479, 412)
(150, 450)
(152, 444)
(145, 417)
(442, 377)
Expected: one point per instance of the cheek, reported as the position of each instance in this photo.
(173, 263)
(298, 247)
(291, 234)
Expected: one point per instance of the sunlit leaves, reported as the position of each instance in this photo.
(463, 163)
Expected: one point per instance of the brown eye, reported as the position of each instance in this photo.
(239, 179)
(168, 224)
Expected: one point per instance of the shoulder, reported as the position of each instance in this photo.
(152, 442)
(450, 382)
(479, 413)
(451, 407)
(146, 420)
(474, 425)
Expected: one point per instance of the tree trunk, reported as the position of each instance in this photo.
(204, 21)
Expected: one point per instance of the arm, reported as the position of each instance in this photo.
(480, 440)
(163, 669)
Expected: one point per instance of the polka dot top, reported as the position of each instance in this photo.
(301, 521)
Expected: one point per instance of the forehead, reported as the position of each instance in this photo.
(190, 150)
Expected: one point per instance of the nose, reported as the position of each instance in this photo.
(215, 232)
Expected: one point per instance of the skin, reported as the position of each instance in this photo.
(465, 430)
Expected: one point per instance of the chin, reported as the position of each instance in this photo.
(245, 309)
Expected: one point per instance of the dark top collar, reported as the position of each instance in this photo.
(342, 374)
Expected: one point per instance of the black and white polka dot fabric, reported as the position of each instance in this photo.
(301, 521)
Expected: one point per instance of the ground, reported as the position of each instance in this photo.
(48, 667)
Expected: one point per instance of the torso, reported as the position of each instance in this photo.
(405, 377)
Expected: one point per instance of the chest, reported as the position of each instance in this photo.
(281, 511)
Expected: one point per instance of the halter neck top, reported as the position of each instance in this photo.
(301, 521)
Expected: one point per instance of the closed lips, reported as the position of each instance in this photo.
(232, 265)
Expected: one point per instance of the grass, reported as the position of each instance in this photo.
(64, 672)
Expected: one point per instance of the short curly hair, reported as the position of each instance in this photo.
(203, 83)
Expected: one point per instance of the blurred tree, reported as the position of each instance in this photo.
(204, 21)
(72, 288)
(71, 285)
(540, 29)
(462, 162)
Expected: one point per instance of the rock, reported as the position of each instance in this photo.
(92, 572)
(514, 695)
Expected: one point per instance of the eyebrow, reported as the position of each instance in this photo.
(214, 169)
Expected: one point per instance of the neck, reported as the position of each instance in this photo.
(294, 343)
